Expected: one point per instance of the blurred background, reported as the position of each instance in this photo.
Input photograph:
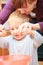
(4, 50)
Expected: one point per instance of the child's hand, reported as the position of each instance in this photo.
(27, 29)
(24, 26)
(2, 31)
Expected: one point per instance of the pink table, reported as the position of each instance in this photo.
(15, 60)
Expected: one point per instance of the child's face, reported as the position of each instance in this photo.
(17, 35)
(15, 32)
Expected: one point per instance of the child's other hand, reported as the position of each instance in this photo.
(2, 32)
(27, 29)
(24, 26)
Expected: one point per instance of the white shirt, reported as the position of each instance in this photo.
(24, 46)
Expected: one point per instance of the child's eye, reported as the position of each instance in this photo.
(12, 29)
(16, 27)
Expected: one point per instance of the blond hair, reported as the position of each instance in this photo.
(17, 17)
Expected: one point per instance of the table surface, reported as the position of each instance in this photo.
(14, 60)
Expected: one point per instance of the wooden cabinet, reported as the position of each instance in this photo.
(4, 51)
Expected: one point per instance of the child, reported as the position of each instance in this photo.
(20, 43)
(25, 6)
